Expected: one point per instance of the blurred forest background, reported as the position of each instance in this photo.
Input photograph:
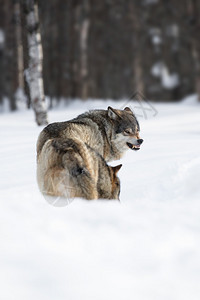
(101, 49)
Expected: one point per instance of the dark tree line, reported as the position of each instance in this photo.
(104, 49)
(8, 53)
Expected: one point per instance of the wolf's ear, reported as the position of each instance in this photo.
(116, 169)
(112, 113)
(128, 110)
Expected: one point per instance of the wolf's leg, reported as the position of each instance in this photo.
(81, 180)
(56, 183)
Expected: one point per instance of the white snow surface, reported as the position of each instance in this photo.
(145, 248)
(169, 81)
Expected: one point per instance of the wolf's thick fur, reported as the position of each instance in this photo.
(102, 130)
(72, 155)
(75, 170)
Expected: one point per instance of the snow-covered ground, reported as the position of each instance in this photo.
(145, 248)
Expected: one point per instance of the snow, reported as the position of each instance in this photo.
(21, 99)
(155, 34)
(2, 38)
(191, 100)
(168, 81)
(156, 40)
(144, 248)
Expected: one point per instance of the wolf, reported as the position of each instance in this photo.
(109, 132)
(81, 149)
(74, 170)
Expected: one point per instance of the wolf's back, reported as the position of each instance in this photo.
(51, 131)
(91, 127)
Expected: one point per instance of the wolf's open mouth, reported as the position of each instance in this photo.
(133, 147)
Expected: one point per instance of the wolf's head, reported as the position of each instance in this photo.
(125, 133)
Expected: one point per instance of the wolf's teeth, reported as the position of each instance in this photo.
(135, 147)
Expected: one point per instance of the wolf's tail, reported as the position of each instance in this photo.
(70, 173)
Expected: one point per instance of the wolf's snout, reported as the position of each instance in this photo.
(140, 141)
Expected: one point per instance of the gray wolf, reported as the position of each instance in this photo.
(110, 132)
(71, 169)
(90, 140)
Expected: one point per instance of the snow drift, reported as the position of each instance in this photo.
(146, 247)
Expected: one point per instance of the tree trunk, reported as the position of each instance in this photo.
(137, 61)
(2, 51)
(11, 56)
(20, 60)
(34, 71)
(84, 30)
(25, 52)
(193, 14)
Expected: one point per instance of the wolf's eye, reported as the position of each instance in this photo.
(128, 131)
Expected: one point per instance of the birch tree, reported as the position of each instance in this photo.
(34, 72)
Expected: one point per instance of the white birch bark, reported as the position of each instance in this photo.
(34, 72)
